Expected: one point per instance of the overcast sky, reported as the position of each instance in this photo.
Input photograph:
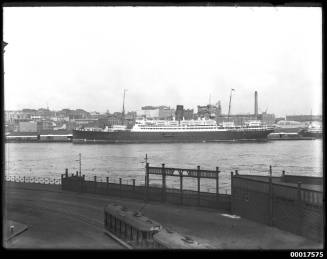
(83, 57)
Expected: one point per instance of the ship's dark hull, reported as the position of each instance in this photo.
(167, 137)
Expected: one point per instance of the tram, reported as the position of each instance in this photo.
(141, 232)
(130, 226)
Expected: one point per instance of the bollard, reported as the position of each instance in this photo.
(236, 172)
(66, 172)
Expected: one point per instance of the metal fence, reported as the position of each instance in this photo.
(33, 179)
(285, 206)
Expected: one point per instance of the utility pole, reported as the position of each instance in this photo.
(230, 100)
(80, 164)
(146, 158)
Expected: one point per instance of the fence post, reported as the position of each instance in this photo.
(119, 187)
(95, 184)
(283, 176)
(231, 191)
(299, 208)
(181, 187)
(198, 176)
(83, 183)
(62, 177)
(146, 181)
(231, 183)
(217, 182)
(163, 189)
(271, 222)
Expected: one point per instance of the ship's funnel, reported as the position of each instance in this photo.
(179, 112)
(256, 103)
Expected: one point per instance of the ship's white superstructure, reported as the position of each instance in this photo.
(191, 126)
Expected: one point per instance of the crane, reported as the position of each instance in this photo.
(230, 101)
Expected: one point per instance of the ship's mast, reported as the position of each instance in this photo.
(123, 113)
(230, 101)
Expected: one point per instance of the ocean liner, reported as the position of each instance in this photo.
(160, 131)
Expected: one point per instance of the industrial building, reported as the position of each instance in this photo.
(303, 118)
(239, 119)
(209, 111)
(156, 112)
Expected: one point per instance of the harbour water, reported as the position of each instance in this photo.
(303, 157)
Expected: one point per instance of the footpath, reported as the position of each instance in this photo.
(63, 219)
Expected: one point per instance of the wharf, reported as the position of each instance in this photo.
(37, 137)
(65, 219)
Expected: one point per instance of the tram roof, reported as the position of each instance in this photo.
(174, 240)
(133, 218)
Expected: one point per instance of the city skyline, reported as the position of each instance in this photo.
(86, 63)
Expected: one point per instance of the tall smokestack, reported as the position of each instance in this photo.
(256, 103)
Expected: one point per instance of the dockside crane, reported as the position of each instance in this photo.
(230, 101)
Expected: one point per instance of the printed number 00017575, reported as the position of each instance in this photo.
(307, 254)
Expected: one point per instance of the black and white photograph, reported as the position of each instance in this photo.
(163, 128)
